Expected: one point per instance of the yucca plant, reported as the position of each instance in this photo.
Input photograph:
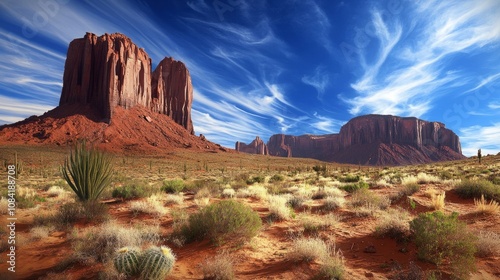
(87, 171)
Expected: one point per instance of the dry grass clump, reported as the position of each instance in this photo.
(56, 191)
(315, 249)
(424, 178)
(437, 200)
(219, 267)
(100, 243)
(308, 249)
(333, 202)
(394, 224)
(409, 180)
(279, 208)
(258, 191)
(40, 232)
(295, 201)
(366, 198)
(152, 205)
(483, 207)
(174, 199)
(312, 225)
(488, 244)
(230, 193)
(4, 203)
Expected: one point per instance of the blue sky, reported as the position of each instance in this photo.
(266, 67)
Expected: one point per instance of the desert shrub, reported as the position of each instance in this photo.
(437, 200)
(442, 237)
(4, 204)
(256, 179)
(354, 187)
(488, 244)
(295, 201)
(228, 193)
(308, 249)
(319, 194)
(133, 190)
(394, 224)
(279, 208)
(477, 188)
(69, 213)
(446, 175)
(222, 221)
(276, 178)
(332, 267)
(409, 189)
(219, 267)
(349, 179)
(366, 198)
(333, 202)
(482, 206)
(55, 191)
(173, 186)
(101, 243)
(174, 199)
(152, 205)
(424, 178)
(40, 232)
(313, 225)
(414, 272)
(257, 191)
(87, 171)
(409, 180)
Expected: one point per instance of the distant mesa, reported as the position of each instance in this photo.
(111, 97)
(369, 140)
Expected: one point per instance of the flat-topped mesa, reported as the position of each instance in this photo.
(373, 140)
(110, 70)
(387, 129)
(257, 146)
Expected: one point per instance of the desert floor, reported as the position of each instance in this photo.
(323, 209)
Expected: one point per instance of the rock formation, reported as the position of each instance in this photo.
(110, 71)
(257, 146)
(373, 140)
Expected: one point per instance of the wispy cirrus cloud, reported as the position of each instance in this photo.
(319, 79)
(409, 74)
(480, 137)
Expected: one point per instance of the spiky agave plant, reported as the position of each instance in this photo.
(126, 261)
(156, 263)
(87, 171)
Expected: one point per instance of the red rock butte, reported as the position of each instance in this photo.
(368, 140)
(110, 71)
(111, 98)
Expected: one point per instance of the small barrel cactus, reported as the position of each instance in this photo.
(156, 263)
(127, 261)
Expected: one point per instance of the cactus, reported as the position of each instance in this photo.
(127, 261)
(156, 263)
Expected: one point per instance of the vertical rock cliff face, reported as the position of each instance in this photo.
(172, 92)
(374, 140)
(110, 71)
(257, 146)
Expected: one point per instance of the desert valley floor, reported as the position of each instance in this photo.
(296, 199)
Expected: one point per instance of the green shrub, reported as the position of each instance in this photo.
(477, 188)
(440, 237)
(222, 221)
(173, 186)
(87, 171)
(276, 178)
(256, 179)
(349, 179)
(134, 190)
(354, 187)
